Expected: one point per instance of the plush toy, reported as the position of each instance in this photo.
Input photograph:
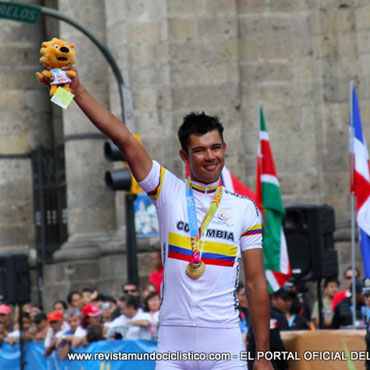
(56, 54)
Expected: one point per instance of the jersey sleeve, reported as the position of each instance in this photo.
(251, 236)
(160, 184)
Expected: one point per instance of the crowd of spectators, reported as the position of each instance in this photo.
(86, 316)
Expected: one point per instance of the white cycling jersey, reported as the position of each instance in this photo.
(211, 300)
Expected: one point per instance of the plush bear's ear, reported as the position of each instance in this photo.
(72, 46)
(45, 44)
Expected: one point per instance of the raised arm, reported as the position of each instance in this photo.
(138, 159)
(258, 303)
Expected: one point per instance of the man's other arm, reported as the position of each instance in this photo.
(138, 159)
(258, 302)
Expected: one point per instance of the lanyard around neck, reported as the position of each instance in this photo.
(195, 233)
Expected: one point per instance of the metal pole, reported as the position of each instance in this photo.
(132, 266)
(352, 86)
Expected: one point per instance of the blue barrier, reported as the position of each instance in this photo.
(108, 349)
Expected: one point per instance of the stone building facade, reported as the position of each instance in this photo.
(218, 56)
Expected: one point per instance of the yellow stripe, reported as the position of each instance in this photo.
(156, 195)
(255, 227)
(209, 247)
(203, 189)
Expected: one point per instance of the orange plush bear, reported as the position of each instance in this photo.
(56, 54)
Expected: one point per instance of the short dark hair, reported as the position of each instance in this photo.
(331, 280)
(150, 296)
(87, 290)
(71, 294)
(131, 301)
(198, 124)
(39, 317)
(61, 302)
(349, 268)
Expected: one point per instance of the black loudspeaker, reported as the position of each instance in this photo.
(15, 283)
(309, 234)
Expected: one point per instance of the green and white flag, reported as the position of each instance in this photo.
(269, 199)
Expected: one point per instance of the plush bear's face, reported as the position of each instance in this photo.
(57, 53)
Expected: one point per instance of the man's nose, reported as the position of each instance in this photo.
(209, 155)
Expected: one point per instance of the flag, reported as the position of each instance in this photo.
(269, 198)
(360, 181)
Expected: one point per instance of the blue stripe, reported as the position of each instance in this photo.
(357, 125)
(188, 252)
(365, 251)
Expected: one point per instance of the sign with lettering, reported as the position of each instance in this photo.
(21, 13)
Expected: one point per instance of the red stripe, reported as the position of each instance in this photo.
(210, 261)
(268, 166)
(207, 261)
(362, 189)
(252, 233)
(179, 256)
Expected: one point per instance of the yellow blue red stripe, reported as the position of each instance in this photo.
(254, 230)
(213, 253)
(155, 193)
(200, 189)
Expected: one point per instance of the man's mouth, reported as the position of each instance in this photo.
(211, 167)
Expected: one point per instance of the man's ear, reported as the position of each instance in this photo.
(184, 155)
(224, 145)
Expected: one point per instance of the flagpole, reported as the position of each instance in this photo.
(353, 250)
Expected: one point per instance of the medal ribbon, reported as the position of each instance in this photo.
(195, 233)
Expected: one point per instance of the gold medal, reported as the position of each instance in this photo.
(195, 270)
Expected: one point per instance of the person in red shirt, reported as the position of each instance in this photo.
(347, 281)
(156, 276)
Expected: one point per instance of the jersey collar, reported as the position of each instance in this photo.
(205, 188)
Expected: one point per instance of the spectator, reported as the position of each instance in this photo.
(148, 288)
(74, 300)
(347, 281)
(118, 321)
(60, 306)
(91, 315)
(343, 317)
(55, 331)
(136, 325)
(42, 326)
(331, 288)
(156, 276)
(295, 316)
(35, 310)
(300, 289)
(94, 333)
(130, 288)
(107, 309)
(73, 317)
(278, 322)
(152, 305)
(29, 332)
(87, 296)
(6, 322)
(281, 301)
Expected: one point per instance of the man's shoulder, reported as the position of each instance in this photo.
(241, 200)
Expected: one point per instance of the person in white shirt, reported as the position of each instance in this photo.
(55, 331)
(201, 269)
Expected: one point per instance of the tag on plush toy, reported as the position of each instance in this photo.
(62, 98)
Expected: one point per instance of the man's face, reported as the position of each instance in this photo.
(56, 325)
(26, 323)
(156, 260)
(85, 298)
(76, 300)
(282, 304)
(74, 321)
(331, 289)
(131, 289)
(348, 277)
(367, 300)
(206, 156)
(128, 311)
